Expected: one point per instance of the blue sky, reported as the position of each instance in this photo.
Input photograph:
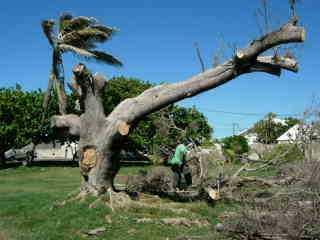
(155, 43)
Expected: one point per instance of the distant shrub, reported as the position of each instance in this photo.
(234, 146)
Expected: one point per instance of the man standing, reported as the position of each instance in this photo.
(178, 163)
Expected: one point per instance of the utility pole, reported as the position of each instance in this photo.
(234, 125)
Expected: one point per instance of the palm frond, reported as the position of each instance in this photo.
(81, 22)
(106, 58)
(108, 30)
(47, 28)
(73, 38)
(91, 55)
(78, 51)
(64, 20)
(93, 34)
(86, 38)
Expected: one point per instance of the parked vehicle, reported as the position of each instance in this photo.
(25, 154)
(43, 152)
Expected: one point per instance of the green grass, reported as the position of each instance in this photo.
(27, 197)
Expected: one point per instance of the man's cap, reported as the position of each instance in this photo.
(187, 142)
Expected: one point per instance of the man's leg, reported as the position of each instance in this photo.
(187, 175)
(177, 176)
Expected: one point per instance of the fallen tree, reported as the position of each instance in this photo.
(101, 136)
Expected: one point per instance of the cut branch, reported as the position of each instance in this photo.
(289, 33)
(70, 122)
(245, 61)
(286, 63)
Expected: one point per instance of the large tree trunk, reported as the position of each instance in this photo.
(101, 137)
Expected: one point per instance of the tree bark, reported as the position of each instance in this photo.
(101, 137)
(47, 94)
(56, 77)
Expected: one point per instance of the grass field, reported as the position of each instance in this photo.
(28, 194)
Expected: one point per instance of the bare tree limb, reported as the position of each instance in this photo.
(245, 60)
(196, 45)
(288, 33)
(286, 63)
(272, 65)
(70, 122)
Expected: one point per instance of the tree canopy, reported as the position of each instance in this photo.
(234, 146)
(20, 116)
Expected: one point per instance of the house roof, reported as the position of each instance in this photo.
(305, 130)
(291, 134)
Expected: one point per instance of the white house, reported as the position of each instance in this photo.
(291, 135)
(299, 132)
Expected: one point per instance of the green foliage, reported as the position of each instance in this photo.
(268, 130)
(193, 121)
(120, 88)
(290, 121)
(234, 146)
(21, 116)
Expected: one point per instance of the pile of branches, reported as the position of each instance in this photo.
(306, 174)
(292, 213)
(280, 218)
(157, 182)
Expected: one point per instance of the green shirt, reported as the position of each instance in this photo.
(180, 155)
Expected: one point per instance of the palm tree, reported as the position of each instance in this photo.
(78, 35)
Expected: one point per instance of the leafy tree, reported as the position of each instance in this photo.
(120, 88)
(176, 123)
(290, 121)
(78, 35)
(268, 130)
(21, 118)
(234, 146)
(20, 115)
